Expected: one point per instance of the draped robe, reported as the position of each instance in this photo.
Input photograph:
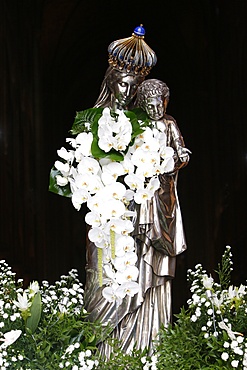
(159, 238)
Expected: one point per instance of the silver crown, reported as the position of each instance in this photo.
(132, 54)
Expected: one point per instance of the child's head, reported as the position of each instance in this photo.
(153, 97)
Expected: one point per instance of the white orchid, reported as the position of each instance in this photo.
(96, 234)
(114, 133)
(88, 165)
(93, 219)
(110, 294)
(123, 262)
(142, 195)
(62, 167)
(119, 226)
(111, 172)
(124, 243)
(129, 274)
(84, 142)
(79, 197)
(108, 186)
(134, 182)
(112, 208)
(129, 288)
(65, 154)
(153, 184)
(61, 180)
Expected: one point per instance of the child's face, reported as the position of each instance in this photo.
(155, 108)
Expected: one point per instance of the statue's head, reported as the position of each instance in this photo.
(123, 85)
(153, 97)
(130, 61)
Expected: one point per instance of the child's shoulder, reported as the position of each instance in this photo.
(169, 119)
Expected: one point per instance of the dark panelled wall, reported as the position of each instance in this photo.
(53, 59)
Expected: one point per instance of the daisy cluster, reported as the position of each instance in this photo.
(221, 314)
(38, 323)
(150, 363)
(109, 186)
(64, 296)
(82, 361)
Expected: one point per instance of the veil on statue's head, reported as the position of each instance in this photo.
(130, 56)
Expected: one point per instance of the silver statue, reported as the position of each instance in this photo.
(158, 233)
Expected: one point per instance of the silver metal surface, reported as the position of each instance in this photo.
(159, 238)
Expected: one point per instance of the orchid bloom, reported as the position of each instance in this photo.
(66, 155)
(96, 182)
(62, 167)
(129, 288)
(124, 243)
(83, 143)
(134, 182)
(79, 197)
(142, 195)
(123, 262)
(88, 165)
(111, 172)
(93, 218)
(129, 274)
(109, 293)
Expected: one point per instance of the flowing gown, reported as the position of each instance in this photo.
(159, 238)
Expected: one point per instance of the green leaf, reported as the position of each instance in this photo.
(135, 116)
(82, 117)
(35, 310)
(54, 188)
(140, 115)
(95, 124)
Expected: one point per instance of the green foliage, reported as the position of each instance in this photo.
(182, 347)
(35, 313)
(122, 361)
(136, 116)
(57, 330)
(84, 119)
(225, 269)
(211, 332)
(55, 188)
(87, 121)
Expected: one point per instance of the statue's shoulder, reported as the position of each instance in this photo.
(169, 119)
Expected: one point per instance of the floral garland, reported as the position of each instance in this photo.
(115, 160)
(211, 331)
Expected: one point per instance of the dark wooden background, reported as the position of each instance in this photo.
(53, 56)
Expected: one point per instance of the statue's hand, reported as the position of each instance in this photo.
(184, 156)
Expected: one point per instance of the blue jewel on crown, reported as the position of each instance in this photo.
(139, 31)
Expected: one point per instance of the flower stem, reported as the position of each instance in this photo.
(100, 268)
(112, 239)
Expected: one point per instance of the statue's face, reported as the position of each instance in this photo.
(155, 107)
(124, 86)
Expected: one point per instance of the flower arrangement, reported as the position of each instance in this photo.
(114, 165)
(45, 327)
(211, 332)
(41, 326)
